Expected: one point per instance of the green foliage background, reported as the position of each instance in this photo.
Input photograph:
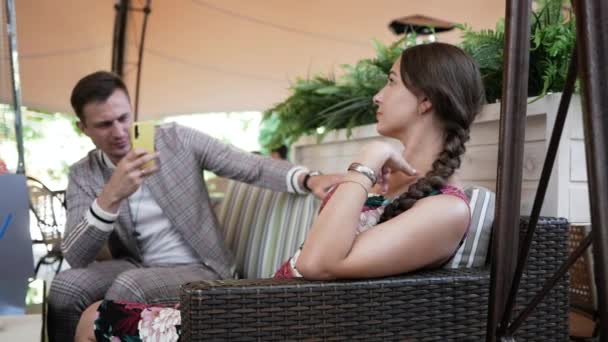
(323, 103)
(552, 38)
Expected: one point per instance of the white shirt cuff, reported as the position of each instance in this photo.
(100, 218)
(292, 180)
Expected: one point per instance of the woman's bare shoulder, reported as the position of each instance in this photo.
(443, 207)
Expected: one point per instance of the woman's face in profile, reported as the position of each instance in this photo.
(397, 105)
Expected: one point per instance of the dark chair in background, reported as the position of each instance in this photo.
(49, 209)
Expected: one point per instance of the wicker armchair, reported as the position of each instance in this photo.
(435, 305)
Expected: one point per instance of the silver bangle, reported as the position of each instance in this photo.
(364, 170)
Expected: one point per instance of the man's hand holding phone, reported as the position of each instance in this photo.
(132, 170)
(128, 176)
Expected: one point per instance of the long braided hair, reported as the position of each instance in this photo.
(451, 80)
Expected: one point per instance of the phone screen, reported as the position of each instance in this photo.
(142, 137)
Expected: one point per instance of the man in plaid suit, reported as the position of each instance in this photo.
(152, 227)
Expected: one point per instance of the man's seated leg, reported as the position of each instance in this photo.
(73, 290)
(156, 285)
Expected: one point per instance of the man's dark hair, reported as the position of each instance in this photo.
(95, 87)
(282, 151)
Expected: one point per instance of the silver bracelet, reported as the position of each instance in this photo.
(364, 170)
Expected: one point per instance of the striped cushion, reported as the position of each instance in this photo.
(474, 251)
(263, 228)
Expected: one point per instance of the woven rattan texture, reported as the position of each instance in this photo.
(582, 288)
(438, 305)
(549, 322)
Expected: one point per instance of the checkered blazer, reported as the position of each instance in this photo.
(179, 190)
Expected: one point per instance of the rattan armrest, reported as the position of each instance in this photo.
(268, 309)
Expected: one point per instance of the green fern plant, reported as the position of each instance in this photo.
(486, 47)
(551, 42)
(323, 103)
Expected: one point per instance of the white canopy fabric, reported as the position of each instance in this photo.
(213, 55)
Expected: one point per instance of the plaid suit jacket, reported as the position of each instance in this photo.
(178, 188)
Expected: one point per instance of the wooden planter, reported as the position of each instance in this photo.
(567, 192)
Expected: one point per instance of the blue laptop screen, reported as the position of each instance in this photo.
(16, 258)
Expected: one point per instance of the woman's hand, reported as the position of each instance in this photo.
(383, 158)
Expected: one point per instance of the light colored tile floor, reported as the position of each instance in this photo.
(24, 328)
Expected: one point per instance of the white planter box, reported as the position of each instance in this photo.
(567, 192)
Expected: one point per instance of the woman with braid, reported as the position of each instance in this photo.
(431, 97)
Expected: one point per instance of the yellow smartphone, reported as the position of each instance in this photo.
(142, 137)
